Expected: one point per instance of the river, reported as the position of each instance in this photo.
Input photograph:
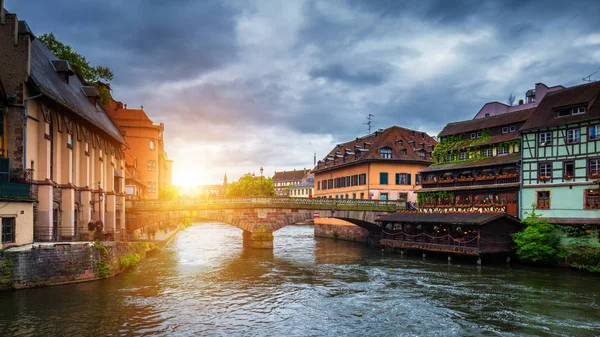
(205, 283)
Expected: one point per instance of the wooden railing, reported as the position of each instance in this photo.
(499, 180)
(295, 203)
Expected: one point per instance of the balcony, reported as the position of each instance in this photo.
(504, 179)
(15, 190)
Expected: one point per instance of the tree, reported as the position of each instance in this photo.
(511, 99)
(168, 193)
(539, 241)
(249, 186)
(90, 74)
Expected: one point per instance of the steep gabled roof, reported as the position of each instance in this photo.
(545, 116)
(486, 123)
(398, 139)
(290, 175)
(69, 95)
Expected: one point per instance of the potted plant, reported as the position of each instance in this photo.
(485, 177)
(568, 176)
(543, 178)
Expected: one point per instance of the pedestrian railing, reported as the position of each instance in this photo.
(303, 203)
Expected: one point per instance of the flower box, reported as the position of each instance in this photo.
(507, 176)
(568, 177)
(543, 178)
(446, 181)
(594, 176)
(460, 180)
(429, 182)
(484, 178)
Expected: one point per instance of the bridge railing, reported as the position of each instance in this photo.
(305, 203)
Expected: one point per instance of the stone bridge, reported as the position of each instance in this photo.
(257, 217)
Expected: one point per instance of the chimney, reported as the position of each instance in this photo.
(2, 19)
(125, 105)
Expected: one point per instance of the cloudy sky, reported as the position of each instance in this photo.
(245, 84)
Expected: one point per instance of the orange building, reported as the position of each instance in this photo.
(146, 149)
(383, 165)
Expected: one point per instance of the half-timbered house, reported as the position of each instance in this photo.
(561, 157)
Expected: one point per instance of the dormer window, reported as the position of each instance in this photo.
(63, 68)
(386, 153)
(505, 129)
(513, 128)
(570, 111)
(478, 134)
(473, 135)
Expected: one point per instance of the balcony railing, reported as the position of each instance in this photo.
(15, 190)
(468, 182)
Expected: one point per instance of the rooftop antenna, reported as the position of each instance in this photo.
(315, 159)
(589, 77)
(369, 122)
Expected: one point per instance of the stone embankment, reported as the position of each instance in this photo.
(339, 229)
(50, 264)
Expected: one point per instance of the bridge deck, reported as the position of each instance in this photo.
(291, 203)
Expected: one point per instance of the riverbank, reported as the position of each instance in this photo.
(43, 265)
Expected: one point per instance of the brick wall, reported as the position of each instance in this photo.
(61, 264)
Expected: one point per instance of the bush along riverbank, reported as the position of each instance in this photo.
(69, 263)
(571, 246)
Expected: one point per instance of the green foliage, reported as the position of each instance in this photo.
(583, 257)
(539, 241)
(168, 193)
(455, 144)
(130, 260)
(90, 74)
(249, 186)
(102, 266)
(6, 271)
(105, 97)
(336, 235)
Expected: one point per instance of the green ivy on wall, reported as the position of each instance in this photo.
(455, 144)
(439, 195)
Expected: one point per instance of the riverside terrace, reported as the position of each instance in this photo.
(257, 217)
(474, 234)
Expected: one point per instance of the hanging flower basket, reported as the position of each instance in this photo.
(466, 179)
(568, 176)
(484, 178)
(507, 176)
(543, 178)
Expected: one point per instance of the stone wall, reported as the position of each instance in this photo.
(51, 264)
(339, 229)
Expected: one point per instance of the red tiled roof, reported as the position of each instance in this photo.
(367, 148)
(544, 115)
(486, 123)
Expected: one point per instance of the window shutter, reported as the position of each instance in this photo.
(4, 170)
(397, 178)
(408, 179)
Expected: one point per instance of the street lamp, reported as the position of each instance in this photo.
(261, 181)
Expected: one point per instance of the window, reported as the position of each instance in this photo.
(478, 134)
(505, 129)
(486, 152)
(545, 139)
(386, 153)
(151, 165)
(151, 145)
(383, 196)
(418, 179)
(402, 178)
(578, 111)
(8, 230)
(513, 128)
(473, 135)
(353, 195)
(151, 187)
(363, 179)
(543, 199)
(568, 169)
(545, 170)
(594, 132)
(464, 156)
(592, 199)
(383, 178)
(449, 157)
(502, 150)
(573, 136)
(318, 185)
(594, 168)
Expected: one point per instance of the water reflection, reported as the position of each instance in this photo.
(205, 283)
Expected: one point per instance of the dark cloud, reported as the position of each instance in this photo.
(339, 72)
